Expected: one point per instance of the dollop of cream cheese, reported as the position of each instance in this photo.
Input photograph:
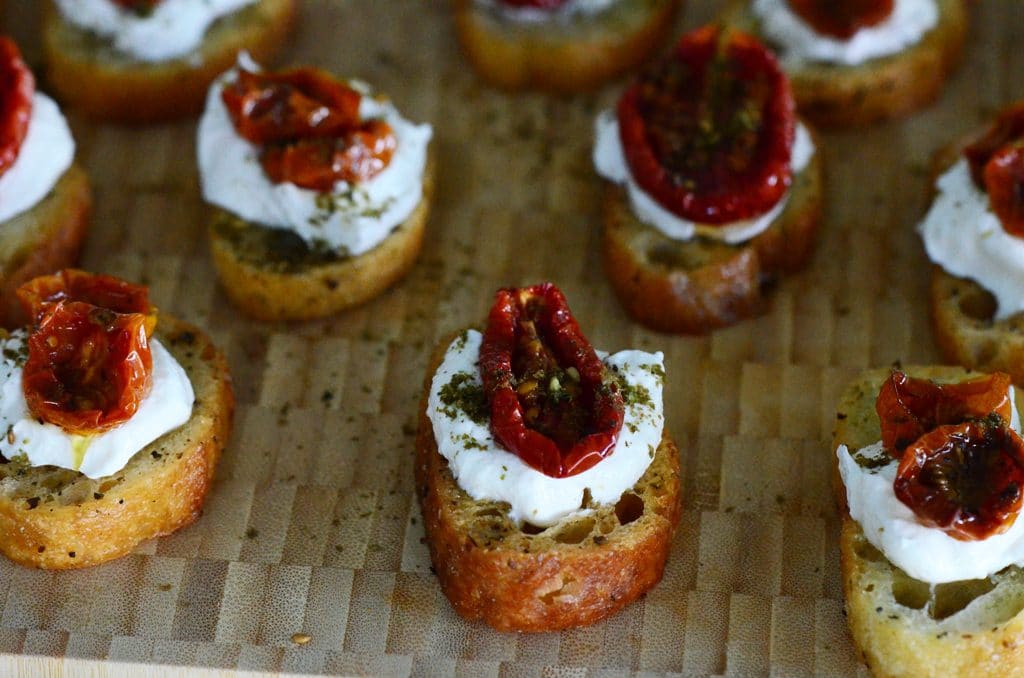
(167, 406)
(799, 42)
(173, 29)
(610, 161)
(46, 152)
(352, 219)
(963, 236)
(925, 553)
(487, 471)
(533, 15)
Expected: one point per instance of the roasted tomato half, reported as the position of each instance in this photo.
(908, 408)
(309, 126)
(321, 162)
(842, 18)
(17, 86)
(538, 4)
(965, 479)
(708, 130)
(551, 403)
(139, 6)
(997, 167)
(104, 291)
(88, 367)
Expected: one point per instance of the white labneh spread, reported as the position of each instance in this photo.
(352, 219)
(487, 471)
(173, 29)
(925, 553)
(534, 15)
(168, 406)
(963, 236)
(46, 152)
(610, 161)
(799, 42)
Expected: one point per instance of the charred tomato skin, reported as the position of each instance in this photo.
(708, 131)
(842, 19)
(532, 338)
(17, 87)
(908, 408)
(965, 479)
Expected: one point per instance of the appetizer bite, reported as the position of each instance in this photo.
(112, 430)
(714, 185)
(932, 468)
(140, 61)
(974, 234)
(322, 188)
(44, 197)
(561, 45)
(855, 62)
(548, 483)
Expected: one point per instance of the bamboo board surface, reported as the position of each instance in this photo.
(312, 526)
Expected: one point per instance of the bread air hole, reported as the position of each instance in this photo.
(560, 588)
(575, 532)
(978, 305)
(944, 600)
(629, 508)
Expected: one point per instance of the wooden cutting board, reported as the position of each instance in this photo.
(309, 557)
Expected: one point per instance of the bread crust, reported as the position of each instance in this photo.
(887, 610)
(58, 519)
(43, 239)
(516, 581)
(697, 286)
(574, 58)
(314, 291)
(849, 96)
(103, 84)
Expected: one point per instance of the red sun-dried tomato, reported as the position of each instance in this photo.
(17, 86)
(708, 131)
(303, 103)
(908, 408)
(842, 18)
(321, 162)
(139, 6)
(966, 479)
(88, 367)
(71, 284)
(1007, 128)
(550, 401)
(1004, 180)
(539, 4)
(309, 125)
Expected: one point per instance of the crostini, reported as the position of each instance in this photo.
(858, 62)
(714, 186)
(931, 478)
(974, 235)
(561, 45)
(549, 485)
(113, 430)
(142, 61)
(321, 196)
(45, 198)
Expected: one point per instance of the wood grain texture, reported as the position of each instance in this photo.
(311, 526)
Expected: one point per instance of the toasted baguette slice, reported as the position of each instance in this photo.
(899, 625)
(271, 274)
(573, 573)
(832, 95)
(573, 56)
(58, 519)
(700, 285)
(90, 76)
(43, 239)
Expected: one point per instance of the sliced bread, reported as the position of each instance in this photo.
(56, 518)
